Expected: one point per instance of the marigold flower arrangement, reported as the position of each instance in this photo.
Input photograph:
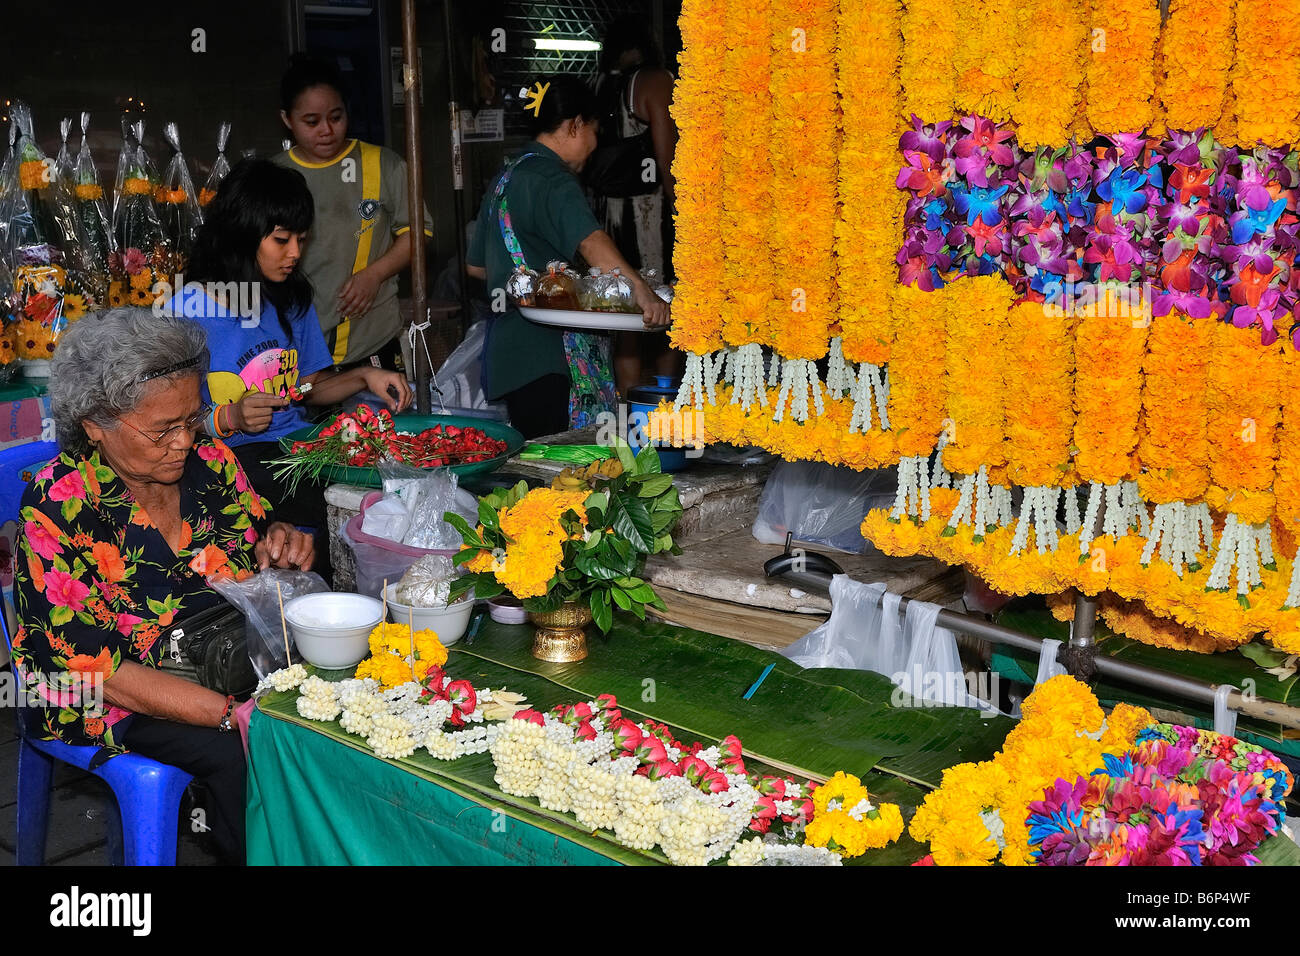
(1050, 71)
(1195, 58)
(929, 80)
(1121, 69)
(847, 822)
(390, 660)
(978, 815)
(548, 547)
(1265, 74)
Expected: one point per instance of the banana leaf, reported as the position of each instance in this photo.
(817, 722)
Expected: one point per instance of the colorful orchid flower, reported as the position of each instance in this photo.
(1249, 221)
(1124, 191)
(978, 203)
(926, 138)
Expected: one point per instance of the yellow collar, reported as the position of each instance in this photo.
(352, 144)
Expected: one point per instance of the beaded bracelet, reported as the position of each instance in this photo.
(225, 726)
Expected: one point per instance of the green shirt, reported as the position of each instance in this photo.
(361, 205)
(550, 217)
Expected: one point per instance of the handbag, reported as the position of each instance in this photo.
(211, 649)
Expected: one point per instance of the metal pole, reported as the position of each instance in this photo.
(457, 170)
(1139, 674)
(411, 86)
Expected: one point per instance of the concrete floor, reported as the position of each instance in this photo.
(79, 808)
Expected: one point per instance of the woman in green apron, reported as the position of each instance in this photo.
(535, 212)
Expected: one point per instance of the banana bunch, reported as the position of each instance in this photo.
(572, 479)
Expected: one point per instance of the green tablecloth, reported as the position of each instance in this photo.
(315, 802)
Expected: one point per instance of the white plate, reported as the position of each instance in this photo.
(591, 321)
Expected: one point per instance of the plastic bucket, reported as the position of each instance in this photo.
(379, 559)
(642, 400)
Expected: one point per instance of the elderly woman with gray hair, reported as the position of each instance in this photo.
(118, 535)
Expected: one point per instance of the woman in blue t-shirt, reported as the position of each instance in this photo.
(263, 333)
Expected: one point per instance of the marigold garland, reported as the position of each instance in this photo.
(1173, 445)
(747, 175)
(845, 820)
(1196, 55)
(871, 207)
(1039, 412)
(697, 167)
(973, 372)
(928, 78)
(1286, 481)
(1109, 348)
(986, 57)
(917, 397)
(1121, 67)
(1050, 62)
(1243, 400)
(803, 199)
(1266, 74)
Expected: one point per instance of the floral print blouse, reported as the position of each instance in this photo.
(95, 582)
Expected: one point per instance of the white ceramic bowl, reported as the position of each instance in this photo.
(332, 629)
(449, 622)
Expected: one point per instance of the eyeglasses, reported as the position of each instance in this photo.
(193, 425)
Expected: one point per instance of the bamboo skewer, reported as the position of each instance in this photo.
(284, 628)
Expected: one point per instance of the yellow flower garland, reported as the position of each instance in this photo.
(1244, 404)
(1121, 67)
(986, 57)
(1050, 61)
(1266, 74)
(871, 206)
(929, 81)
(803, 198)
(1173, 447)
(697, 167)
(1196, 55)
(1039, 412)
(839, 830)
(747, 175)
(1108, 353)
(1286, 481)
(973, 371)
(917, 397)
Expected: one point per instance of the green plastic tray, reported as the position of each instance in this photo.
(370, 478)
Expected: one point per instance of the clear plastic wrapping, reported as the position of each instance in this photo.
(220, 168)
(141, 258)
(44, 247)
(260, 599)
(426, 583)
(178, 203)
(92, 213)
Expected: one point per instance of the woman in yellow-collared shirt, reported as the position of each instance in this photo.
(361, 239)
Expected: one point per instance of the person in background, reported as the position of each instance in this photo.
(536, 212)
(635, 95)
(362, 238)
(118, 536)
(254, 233)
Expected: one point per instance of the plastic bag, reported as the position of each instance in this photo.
(260, 597)
(44, 248)
(821, 503)
(92, 213)
(220, 168)
(863, 633)
(63, 162)
(428, 494)
(178, 204)
(141, 258)
(459, 382)
(387, 518)
(426, 583)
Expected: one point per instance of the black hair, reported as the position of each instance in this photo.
(567, 97)
(254, 200)
(305, 71)
(630, 32)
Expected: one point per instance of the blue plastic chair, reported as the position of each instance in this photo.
(148, 793)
